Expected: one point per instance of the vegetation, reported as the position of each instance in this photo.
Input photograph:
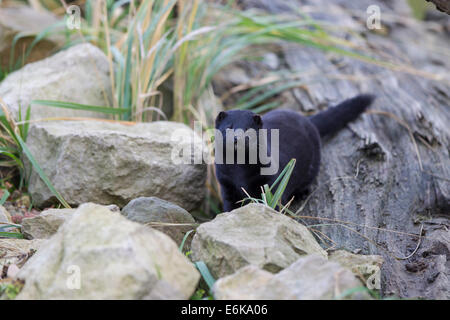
(9, 291)
(155, 45)
(273, 199)
(161, 49)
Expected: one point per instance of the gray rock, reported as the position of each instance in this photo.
(104, 162)
(311, 277)
(245, 284)
(314, 278)
(46, 224)
(153, 211)
(254, 234)
(79, 74)
(28, 22)
(98, 254)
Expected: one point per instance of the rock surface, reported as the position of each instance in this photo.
(253, 234)
(29, 23)
(248, 283)
(152, 211)
(79, 74)
(98, 254)
(46, 224)
(103, 162)
(311, 277)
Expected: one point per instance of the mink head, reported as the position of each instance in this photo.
(243, 126)
(238, 119)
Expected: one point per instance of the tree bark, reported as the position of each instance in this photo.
(387, 175)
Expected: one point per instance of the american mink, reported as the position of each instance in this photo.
(299, 138)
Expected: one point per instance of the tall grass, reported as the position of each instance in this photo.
(183, 45)
(13, 150)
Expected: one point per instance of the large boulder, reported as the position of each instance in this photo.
(311, 277)
(28, 23)
(99, 254)
(79, 74)
(254, 234)
(161, 215)
(104, 162)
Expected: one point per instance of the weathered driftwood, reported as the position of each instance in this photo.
(386, 177)
(443, 5)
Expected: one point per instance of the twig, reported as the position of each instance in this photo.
(417, 247)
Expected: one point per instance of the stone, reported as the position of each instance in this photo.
(153, 211)
(99, 254)
(46, 224)
(104, 162)
(311, 277)
(79, 74)
(253, 234)
(29, 23)
(244, 284)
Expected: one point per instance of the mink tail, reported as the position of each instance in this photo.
(335, 118)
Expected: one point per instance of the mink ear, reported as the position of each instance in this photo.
(257, 119)
(222, 115)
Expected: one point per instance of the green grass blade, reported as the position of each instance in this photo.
(11, 235)
(77, 106)
(283, 183)
(185, 238)
(204, 271)
(267, 194)
(267, 106)
(3, 227)
(5, 196)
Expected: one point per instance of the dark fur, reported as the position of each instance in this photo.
(299, 138)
